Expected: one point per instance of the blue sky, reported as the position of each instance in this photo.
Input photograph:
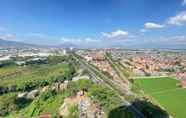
(95, 23)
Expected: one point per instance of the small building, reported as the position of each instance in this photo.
(183, 83)
(46, 116)
(20, 63)
(88, 58)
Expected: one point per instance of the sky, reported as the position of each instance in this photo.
(95, 23)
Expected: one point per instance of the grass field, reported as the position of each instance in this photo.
(7, 70)
(165, 91)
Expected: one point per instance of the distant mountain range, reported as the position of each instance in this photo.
(7, 43)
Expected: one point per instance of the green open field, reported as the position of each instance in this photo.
(165, 91)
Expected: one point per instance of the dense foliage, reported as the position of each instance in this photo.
(32, 76)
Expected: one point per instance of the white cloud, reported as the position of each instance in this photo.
(38, 35)
(150, 25)
(179, 19)
(90, 39)
(8, 36)
(181, 40)
(184, 2)
(116, 34)
(68, 40)
(78, 40)
(178, 39)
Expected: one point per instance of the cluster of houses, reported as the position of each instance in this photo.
(142, 63)
(161, 64)
(154, 63)
(181, 75)
(98, 59)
